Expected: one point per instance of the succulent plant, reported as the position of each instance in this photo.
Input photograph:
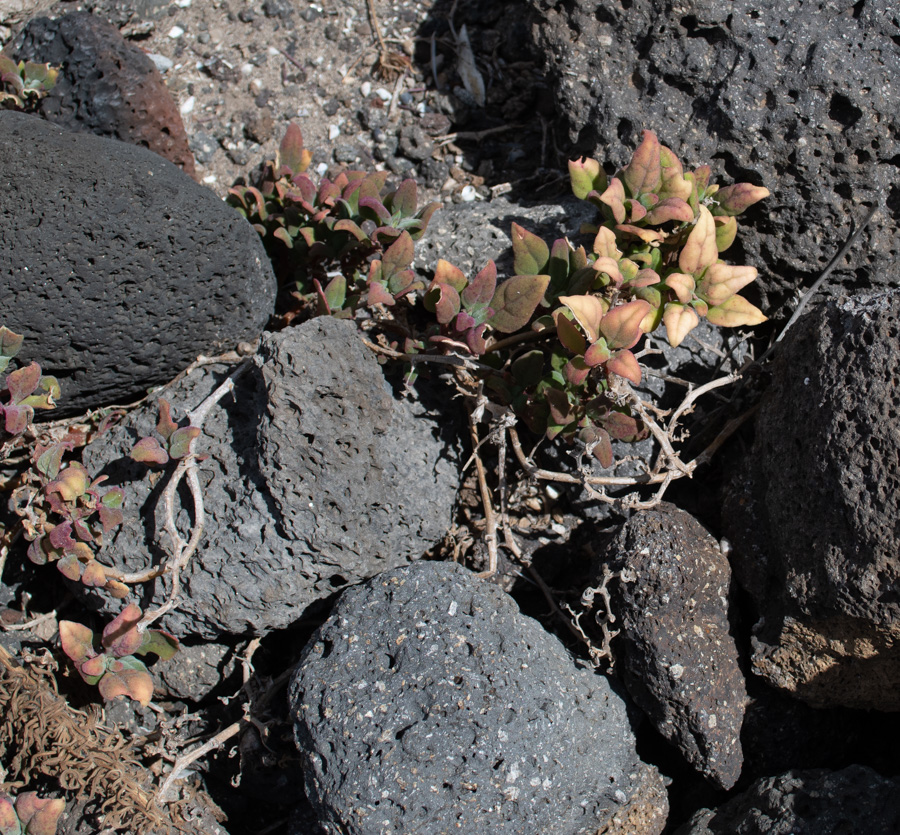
(176, 440)
(29, 814)
(24, 389)
(108, 660)
(22, 85)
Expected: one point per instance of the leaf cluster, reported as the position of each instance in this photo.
(108, 660)
(28, 814)
(24, 84)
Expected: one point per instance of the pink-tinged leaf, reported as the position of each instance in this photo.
(672, 208)
(464, 322)
(10, 343)
(644, 278)
(17, 418)
(50, 460)
(149, 451)
(347, 225)
(588, 311)
(700, 249)
(475, 340)
(644, 172)
(403, 282)
(586, 176)
(625, 365)
(181, 440)
(576, 371)
(285, 237)
(120, 637)
(682, 285)
(110, 517)
(47, 395)
(61, 537)
(605, 244)
(622, 325)
(726, 232)
(71, 483)
(136, 684)
(735, 312)
(602, 448)
(622, 427)
(398, 256)
(679, 320)
(372, 184)
(443, 301)
(597, 354)
(530, 253)
(77, 641)
(673, 182)
(648, 236)
(160, 643)
(424, 217)
(93, 575)
(636, 211)
(83, 532)
(40, 815)
(721, 281)
(569, 335)
(377, 294)
(614, 197)
(36, 552)
(481, 290)
(117, 589)
(735, 199)
(516, 300)
(165, 425)
(405, 199)
(560, 409)
(93, 669)
(610, 267)
(446, 273)
(23, 381)
(375, 209)
(290, 151)
(306, 187)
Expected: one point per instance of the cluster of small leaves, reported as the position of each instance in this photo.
(341, 243)
(23, 390)
(29, 814)
(108, 660)
(176, 440)
(23, 85)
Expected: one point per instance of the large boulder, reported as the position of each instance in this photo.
(118, 267)
(317, 478)
(106, 85)
(428, 703)
(674, 649)
(814, 515)
(803, 99)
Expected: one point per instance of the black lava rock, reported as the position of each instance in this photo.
(804, 100)
(428, 703)
(118, 267)
(676, 655)
(317, 478)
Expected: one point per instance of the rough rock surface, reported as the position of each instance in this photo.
(106, 86)
(816, 802)
(119, 268)
(194, 672)
(427, 703)
(815, 541)
(317, 478)
(675, 653)
(804, 99)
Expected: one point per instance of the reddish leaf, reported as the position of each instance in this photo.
(405, 199)
(40, 815)
(71, 483)
(609, 266)
(481, 290)
(576, 371)
(93, 669)
(597, 354)
(93, 575)
(700, 249)
(530, 253)
(644, 172)
(644, 278)
(10, 343)
(290, 152)
(516, 300)
(735, 199)
(443, 301)
(347, 225)
(605, 244)
(672, 208)
(17, 418)
(648, 236)
(625, 365)
(569, 335)
(682, 285)
(136, 684)
(149, 451)
(120, 637)
(376, 209)
(622, 325)
(77, 641)
(378, 295)
(23, 381)
(560, 408)
(614, 197)
(446, 273)
(622, 427)
(61, 537)
(398, 256)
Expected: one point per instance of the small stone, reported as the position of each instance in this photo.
(365, 88)
(163, 64)
(331, 107)
(204, 38)
(246, 15)
(175, 32)
(346, 153)
(332, 33)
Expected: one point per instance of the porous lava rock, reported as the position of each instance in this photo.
(118, 267)
(428, 703)
(675, 651)
(814, 514)
(317, 477)
(801, 98)
(106, 85)
(854, 799)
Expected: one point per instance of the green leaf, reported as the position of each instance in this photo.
(622, 325)
(528, 368)
(336, 292)
(516, 300)
(180, 442)
(480, 291)
(10, 343)
(446, 273)
(586, 176)
(726, 232)
(700, 249)
(644, 172)
(735, 312)
(159, 643)
(405, 199)
(530, 253)
(674, 183)
(71, 483)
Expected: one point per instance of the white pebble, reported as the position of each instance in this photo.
(384, 94)
(188, 106)
(246, 69)
(468, 194)
(333, 132)
(176, 32)
(163, 64)
(365, 88)
(209, 179)
(322, 169)
(183, 4)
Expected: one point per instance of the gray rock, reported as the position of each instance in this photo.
(427, 703)
(675, 652)
(804, 101)
(193, 672)
(815, 538)
(816, 802)
(119, 268)
(317, 478)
